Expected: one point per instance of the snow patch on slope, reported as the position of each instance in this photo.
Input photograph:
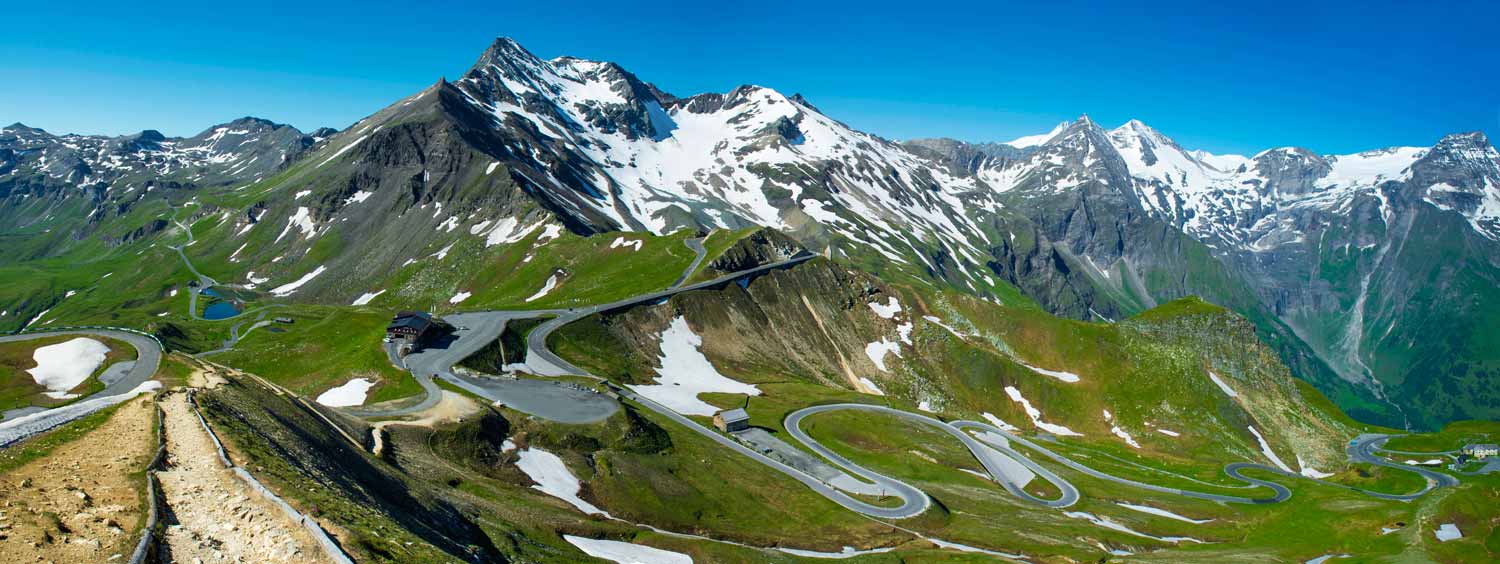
(685, 372)
(1036, 415)
(546, 289)
(878, 349)
(887, 310)
(63, 366)
(348, 394)
(365, 298)
(553, 478)
(285, 290)
(1265, 448)
(626, 553)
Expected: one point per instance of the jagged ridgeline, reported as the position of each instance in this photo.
(1371, 275)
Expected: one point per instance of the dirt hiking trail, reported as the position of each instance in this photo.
(212, 516)
(81, 502)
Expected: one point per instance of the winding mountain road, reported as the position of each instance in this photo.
(982, 452)
(1281, 492)
(204, 282)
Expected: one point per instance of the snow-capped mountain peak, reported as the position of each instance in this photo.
(599, 145)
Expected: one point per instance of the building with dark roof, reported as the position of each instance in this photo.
(410, 330)
(732, 420)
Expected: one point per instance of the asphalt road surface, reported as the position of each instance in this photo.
(696, 244)
(564, 403)
(985, 453)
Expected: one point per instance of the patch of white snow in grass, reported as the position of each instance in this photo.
(904, 330)
(302, 220)
(1311, 472)
(622, 242)
(627, 553)
(300, 195)
(1161, 513)
(348, 394)
(553, 478)
(491, 167)
(685, 372)
(939, 323)
(1118, 432)
(1115, 526)
(925, 406)
(1447, 532)
(63, 366)
(1222, 386)
(1036, 415)
(287, 289)
(459, 297)
(1068, 377)
(871, 386)
(888, 310)
(36, 318)
(443, 252)
(1169, 433)
(507, 231)
(1265, 448)
(365, 298)
(551, 231)
(546, 289)
(1325, 558)
(878, 349)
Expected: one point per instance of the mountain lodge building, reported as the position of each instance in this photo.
(410, 330)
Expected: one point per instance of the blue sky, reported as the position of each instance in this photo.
(1329, 76)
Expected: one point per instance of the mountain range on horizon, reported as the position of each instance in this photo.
(1343, 262)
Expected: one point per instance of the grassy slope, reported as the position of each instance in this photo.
(1453, 437)
(323, 348)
